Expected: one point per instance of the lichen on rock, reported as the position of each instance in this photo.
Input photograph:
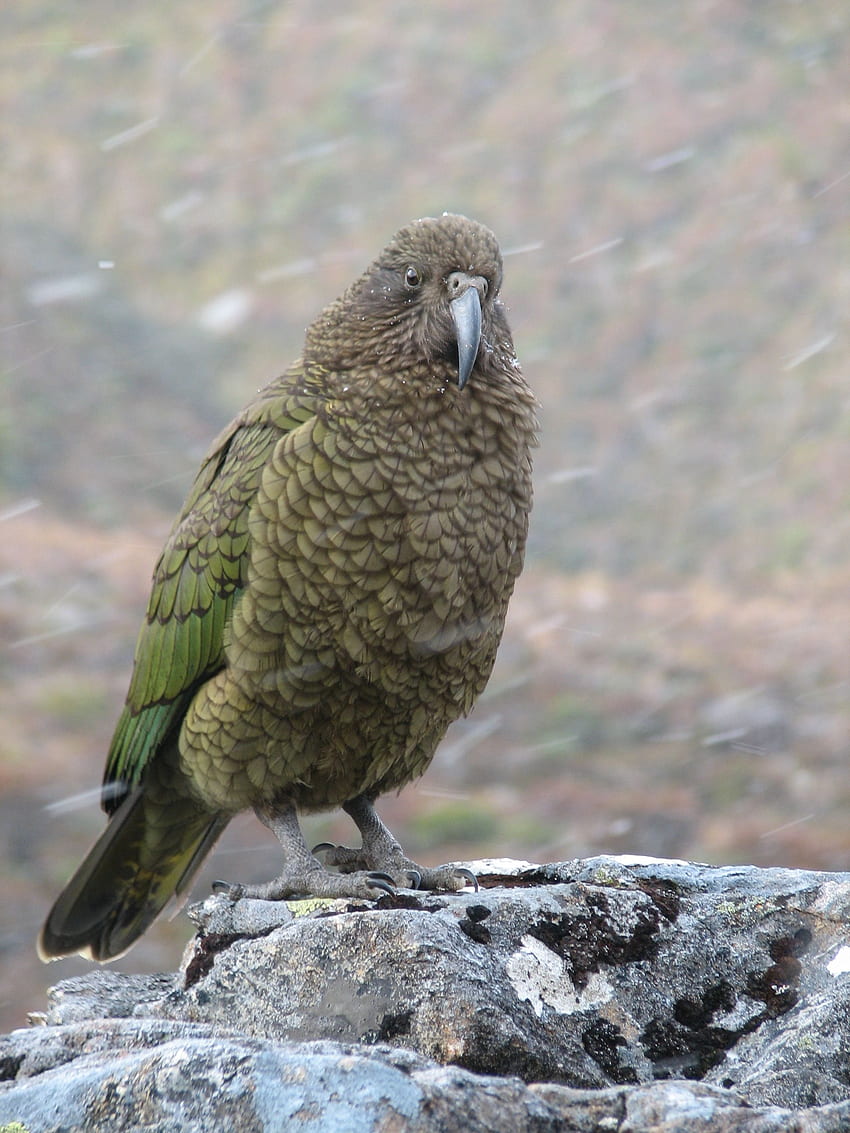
(637, 991)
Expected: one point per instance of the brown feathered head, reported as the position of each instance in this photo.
(431, 295)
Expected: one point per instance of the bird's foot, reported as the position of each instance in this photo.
(319, 882)
(401, 870)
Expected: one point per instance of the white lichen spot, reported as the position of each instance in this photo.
(643, 859)
(840, 962)
(506, 866)
(540, 977)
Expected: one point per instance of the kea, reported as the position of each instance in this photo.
(329, 600)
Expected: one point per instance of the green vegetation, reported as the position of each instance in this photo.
(462, 822)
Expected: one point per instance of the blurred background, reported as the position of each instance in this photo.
(186, 185)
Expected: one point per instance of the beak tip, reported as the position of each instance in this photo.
(466, 314)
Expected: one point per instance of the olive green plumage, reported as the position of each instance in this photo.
(331, 597)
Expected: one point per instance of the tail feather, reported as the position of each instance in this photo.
(148, 853)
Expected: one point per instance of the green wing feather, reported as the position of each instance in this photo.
(200, 574)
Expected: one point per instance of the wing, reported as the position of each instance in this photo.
(199, 576)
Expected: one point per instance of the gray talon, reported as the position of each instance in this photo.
(376, 881)
(467, 873)
(381, 876)
(415, 878)
(320, 847)
(226, 889)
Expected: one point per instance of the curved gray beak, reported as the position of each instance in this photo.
(466, 314)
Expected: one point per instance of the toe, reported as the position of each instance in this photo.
(342, 857)
(448, 878)
(227, 889)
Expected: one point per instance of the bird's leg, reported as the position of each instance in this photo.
(303, 874)
(381, 852)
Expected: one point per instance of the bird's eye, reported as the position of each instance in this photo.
(412, 278)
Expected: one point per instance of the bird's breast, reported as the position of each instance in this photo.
(376, 540)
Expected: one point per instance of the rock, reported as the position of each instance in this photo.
(217, 915)
(188, 1077)
(612, 993)
(102, 993)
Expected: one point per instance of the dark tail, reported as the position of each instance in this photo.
(148, 853)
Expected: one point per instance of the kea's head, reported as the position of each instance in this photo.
(432, 295)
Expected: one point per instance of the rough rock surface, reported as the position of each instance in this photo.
(613, 993)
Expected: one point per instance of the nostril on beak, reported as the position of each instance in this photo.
(458, 282)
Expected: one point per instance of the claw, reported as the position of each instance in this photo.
(381, 876)
(226, 889)
(320, 847)
(415, 878)
(469, 875)
(376, 881)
